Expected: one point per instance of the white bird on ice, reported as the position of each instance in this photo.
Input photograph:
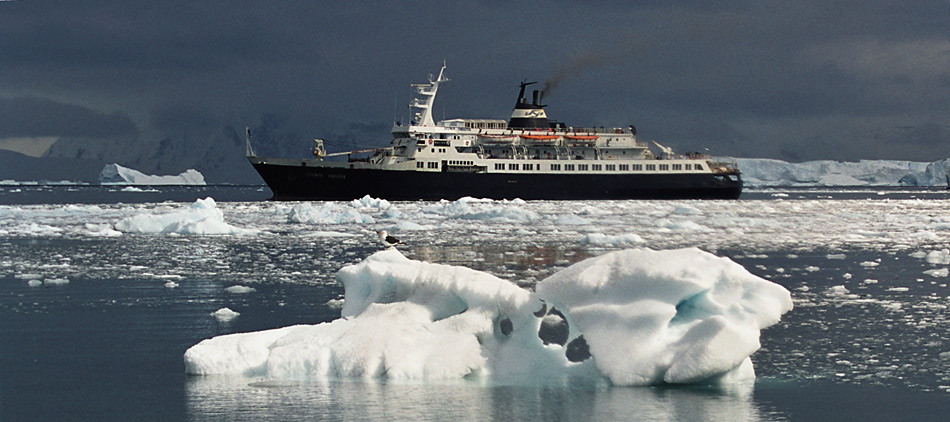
(387, 240)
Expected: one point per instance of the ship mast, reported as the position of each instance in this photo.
(421, 106)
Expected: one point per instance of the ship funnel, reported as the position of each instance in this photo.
(528, 115)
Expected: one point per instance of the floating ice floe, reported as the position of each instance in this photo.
(239, 289)
(940, 272)
(56, 281)
(483, 210)
(635, 317)
(327, 213)
(202, 218)
(225, 314)
(614, 239)
(940, 257)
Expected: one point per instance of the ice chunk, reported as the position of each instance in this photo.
(202, 218)
(941, 257)
(34, 283)
(56, 281)
(225, 314)
(636, 316)
(239, 289)
(171, 285)
(116, 174)
(940, 272)
(618, 239)
(370, 202)
(103, 230)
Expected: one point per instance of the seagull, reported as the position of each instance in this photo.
(387, 240)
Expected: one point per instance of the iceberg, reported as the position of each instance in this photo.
(767, 172)
(115, 174)
(631, 317)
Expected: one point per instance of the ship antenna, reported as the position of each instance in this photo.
(425, 97)
(247, 142)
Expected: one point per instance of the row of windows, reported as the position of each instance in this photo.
(603, 167)
(524, 166)
(571, 167)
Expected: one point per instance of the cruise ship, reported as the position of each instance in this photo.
(528, 156)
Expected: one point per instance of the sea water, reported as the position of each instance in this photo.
(94, 323)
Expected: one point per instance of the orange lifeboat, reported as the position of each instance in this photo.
(540, 139)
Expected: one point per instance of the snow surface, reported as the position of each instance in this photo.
(647, 317)
(114, 174)
(767, 172)
(202, 218)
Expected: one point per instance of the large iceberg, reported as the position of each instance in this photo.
(767, 172)
(118, 175)
(633, 317)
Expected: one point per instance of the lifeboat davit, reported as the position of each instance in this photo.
(576, 140)
(497, 139)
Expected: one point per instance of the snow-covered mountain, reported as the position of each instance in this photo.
(768, 172)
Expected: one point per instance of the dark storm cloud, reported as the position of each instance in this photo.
(808, 80)
(39, 117)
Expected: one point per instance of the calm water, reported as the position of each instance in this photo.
(108, 344)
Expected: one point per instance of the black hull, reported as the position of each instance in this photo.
(302, 183)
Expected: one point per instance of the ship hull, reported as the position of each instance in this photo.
(301, 183)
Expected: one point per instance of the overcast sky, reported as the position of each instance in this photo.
(800, 80)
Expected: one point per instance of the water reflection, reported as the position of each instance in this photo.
(235, 398)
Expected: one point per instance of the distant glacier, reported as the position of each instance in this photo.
(768, 172)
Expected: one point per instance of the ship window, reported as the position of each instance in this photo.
(512, 167)
(611, 167)
(677, 166)
(555, 167)
(625, 167)
(420, 164)
(499, 166)
(651, 167)
(434, 165)
(596, 167)
(527, 166)
(582, 167)
(638, 167)
(568, 167)
(664, 167)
